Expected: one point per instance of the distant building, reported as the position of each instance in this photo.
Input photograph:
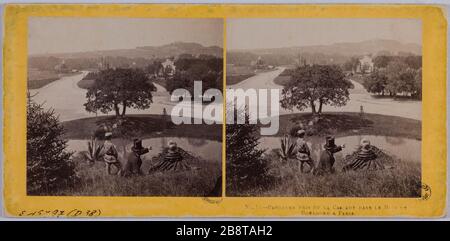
(365, 65)
(168, 67)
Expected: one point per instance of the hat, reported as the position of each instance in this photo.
(108, 134)
(172, 145)
(329, 143)
(365, 142)
(300, 132)
(137, 145)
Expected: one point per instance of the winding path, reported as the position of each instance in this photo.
(67, 99)
(358, 97)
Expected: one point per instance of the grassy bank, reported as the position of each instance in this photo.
(87, 83)
(342, 124)
(95, 181)
(234, 79)
(40, 78)
(236, 74)
(284, 77)
(404, 180)
(144, 126)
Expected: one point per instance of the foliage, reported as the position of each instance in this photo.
(396, 78)
(94, 150)
(412, 61)
(49, 167)
(376, 82)
(246, 169)
(119, 88)
(154, 68)
(316, 85)
(351, 64)
(91, 76)
(287, 150)
(188, 70)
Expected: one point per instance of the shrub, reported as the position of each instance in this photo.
(49, 167)
(287, 150)
(246, 169)
(94, 150)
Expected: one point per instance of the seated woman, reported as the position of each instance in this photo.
(171, 159)
(173, 154)
(365, 159)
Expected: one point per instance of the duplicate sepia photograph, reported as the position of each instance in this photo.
(347, 105)
(100, 107)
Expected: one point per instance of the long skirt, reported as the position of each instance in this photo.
(362, 164)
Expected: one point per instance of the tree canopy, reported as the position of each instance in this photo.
(118, 89)
(188, 70)
(315, 86)
(398, 77)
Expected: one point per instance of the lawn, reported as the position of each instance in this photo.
(404, 180)
(144, 126)
(236, 74)
(95, 181)
(342, 124)
(39, 78)
(234, 79)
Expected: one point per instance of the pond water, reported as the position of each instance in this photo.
(206, 149)
(403, 148)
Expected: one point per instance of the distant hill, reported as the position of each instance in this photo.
(168, 50)
(374, 46)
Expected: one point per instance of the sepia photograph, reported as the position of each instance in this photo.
(101, 107)
(346, 99)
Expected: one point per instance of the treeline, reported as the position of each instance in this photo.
(187, 70)
(396, 76)
(245, 58)
(49, 63)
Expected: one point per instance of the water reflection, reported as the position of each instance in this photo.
(404, 148)
(206, 149)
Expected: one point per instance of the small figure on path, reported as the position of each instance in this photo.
(134, 161)
(303, 152)
(366, 159)
(110, 154)
(326, 162)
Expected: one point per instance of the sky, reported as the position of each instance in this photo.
(276, 33)
(67, 34)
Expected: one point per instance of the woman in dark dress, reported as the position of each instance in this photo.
(366, 159)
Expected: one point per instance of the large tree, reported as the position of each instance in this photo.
(376, 82)
(315, 86)
(117, 89)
